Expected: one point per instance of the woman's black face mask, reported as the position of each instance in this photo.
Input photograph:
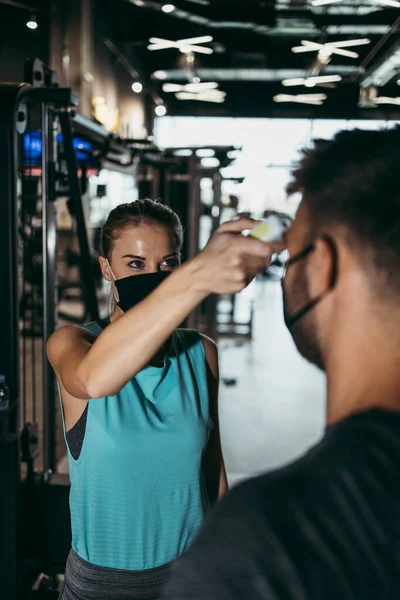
(135, 288)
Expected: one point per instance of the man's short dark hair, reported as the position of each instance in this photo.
(353, 182)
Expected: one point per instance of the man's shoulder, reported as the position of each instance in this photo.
(304, 484)
(243, 542)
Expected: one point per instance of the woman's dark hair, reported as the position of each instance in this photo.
(139, 213)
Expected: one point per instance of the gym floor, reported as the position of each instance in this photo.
(273, 407)
(276, 410)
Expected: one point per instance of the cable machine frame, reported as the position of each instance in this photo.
(40, 89)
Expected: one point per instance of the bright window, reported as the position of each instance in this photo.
(270, 147)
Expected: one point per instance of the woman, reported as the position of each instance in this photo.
(139, 400)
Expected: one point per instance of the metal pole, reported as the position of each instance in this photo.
(194, 208)
(87, 275)
(49, 259)
(193, 224)
(10, 497)
(212, 301)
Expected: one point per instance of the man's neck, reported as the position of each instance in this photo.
(362, 375)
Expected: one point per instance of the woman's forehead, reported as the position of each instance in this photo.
(145, 238)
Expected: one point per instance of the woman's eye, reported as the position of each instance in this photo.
(136, 264)
(170, 263)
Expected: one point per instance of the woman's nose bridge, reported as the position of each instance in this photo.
(152, 264)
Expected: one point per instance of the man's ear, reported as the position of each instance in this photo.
(322, 265)
(105, 269)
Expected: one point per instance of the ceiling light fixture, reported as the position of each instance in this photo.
(137, 87)
(186, 46)
(160, 75)
(323, 2)
(160, 110)
(196, 79)
(314, 99)
(329, 48)
(168, 8)
(205, 152)
(312, 81)
(387, 100)
(190, 87)
(32, 23)
(203, 97)
(205, 91)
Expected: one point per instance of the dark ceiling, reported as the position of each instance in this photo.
(252, 41)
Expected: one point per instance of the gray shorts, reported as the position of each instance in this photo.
(85, 581)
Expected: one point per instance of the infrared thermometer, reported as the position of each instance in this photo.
(271, 229)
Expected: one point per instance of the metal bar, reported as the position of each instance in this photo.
(374, 51)
(155, 183)
(86, 55)
(87, 276)
(48, 286)
(194, 208)
(193, 223)
(10, 96)
(32, 9)
(212, 301)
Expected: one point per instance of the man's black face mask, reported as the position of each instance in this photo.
(305, 336)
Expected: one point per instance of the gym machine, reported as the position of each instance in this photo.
(34, 513)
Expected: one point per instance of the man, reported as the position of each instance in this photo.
(327, 527)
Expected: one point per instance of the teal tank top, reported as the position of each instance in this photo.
(137, 493)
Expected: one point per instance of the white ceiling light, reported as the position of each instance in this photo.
(326, 50)
(185, 46)
(168, 8)
(32, 23)
(205, 152)
(207, 96)
(137, 87)
(196, 79)
(386, 100)
(211, 163)
(160, 110)
(183, 152)
(190, 87)
(315, 99)
(312, 81)
(323, 2)
(160, 75)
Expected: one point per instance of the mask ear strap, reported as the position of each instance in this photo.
(333, 248)
(111, 271)
(310, 305)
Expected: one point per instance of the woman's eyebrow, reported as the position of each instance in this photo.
(134, 256)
